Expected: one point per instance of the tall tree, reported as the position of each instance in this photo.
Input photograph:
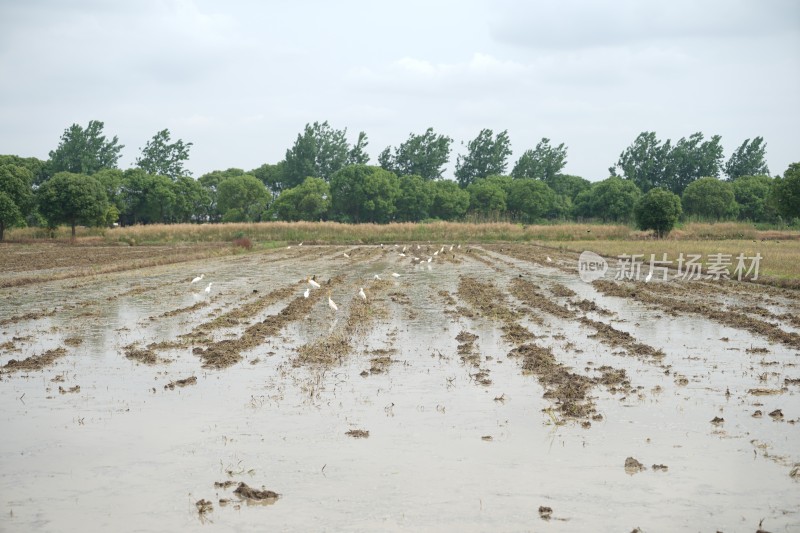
(311, 200)
(659, 211)
(73, 198)
(421, 155)
(530, 200)
(710, 199)
(364, 193)
(691, 159)
(16, 196)
(612, 199)
(415, 200)
(36, 166)
(242, 199)
(84, 151)
(159, 156)
(751, 193)
(645, 161)
(357, 155)
(272, 176)
(542, 163)
(318, 152)
(785, 194)
(450, 202)
(487, 197)
(486, 156)
(748, 159)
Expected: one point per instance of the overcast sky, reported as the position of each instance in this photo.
(240, 79)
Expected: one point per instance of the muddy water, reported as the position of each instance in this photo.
(443, 453)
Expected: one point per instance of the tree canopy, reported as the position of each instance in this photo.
(542, 163)
(159, 156)
(84, 151)
(318, 152)
(73, 198)
(421, 155)
(16, 196)
(785, 194)
(364, 193)
(748, 159)
(710, 199)
(486, 156)
(658, 210)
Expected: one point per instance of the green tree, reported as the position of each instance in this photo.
(748, 159)
(568, 185)
(751, 193)
(192, 201)
(318, 152)
(112, 180)
(645, 161)
(37, 167)
(711, 199)
(691, 159)
(785, 194)
(159, 156)
(415, 200)
(84, 151)
(530, 199)
(450, 202)
(610, 200)
(272, 176)
(421, 155)
(658, 210)
(16, 196)
(364, 193)
(147, 198)
(486, 156)
(542, 163)
(357, 154)
(243, 195)
(311, 200)
(487, 197)
(72, 198)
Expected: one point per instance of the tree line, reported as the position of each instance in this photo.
(324, 177)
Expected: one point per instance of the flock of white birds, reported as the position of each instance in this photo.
(361, 294)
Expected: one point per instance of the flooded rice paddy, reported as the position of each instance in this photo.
(487, 389)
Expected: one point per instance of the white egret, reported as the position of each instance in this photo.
(305, 294)
(198, 278)
(451, 247)
(362, 294)
(430, 259)
(549, 260)
(402, 254)
(331, 304)
(301, 244)
(345, 254)
(395, 275)
(208, 289)
(649, 277)
(377, 277)
(404, 249)
(313, 283)
(442, 250)
(436, 252)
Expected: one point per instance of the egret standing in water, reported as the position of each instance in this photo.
(313, 283)
(362, 294)
(198, 278)
(649, 277)
(208, 289)
(305, 294)
(331, 303)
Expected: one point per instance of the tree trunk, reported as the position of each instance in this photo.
(73, 230)
(2, 230)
